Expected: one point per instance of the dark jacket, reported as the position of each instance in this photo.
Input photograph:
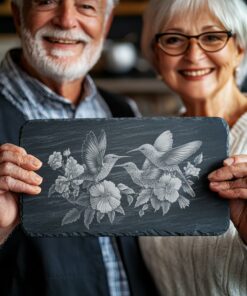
(63, 266)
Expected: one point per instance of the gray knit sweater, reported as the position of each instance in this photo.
(201, 266)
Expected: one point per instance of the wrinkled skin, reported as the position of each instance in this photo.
(230, 182)
(17, 175)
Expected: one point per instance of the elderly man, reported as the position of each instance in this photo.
(47, 78)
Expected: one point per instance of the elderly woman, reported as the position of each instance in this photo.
(198, 47)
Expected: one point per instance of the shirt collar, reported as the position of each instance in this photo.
(10, 65)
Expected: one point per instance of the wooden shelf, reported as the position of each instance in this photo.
(5, 8)
(133, 85)
(134, 7)
(151, 95)
(131, 8)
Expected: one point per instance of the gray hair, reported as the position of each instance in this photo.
(110, 5)
(231, 13)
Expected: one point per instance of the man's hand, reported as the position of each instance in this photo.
(230, 182)
(16, 176)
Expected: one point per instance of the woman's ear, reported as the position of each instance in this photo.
(239, 55)
(16, 16)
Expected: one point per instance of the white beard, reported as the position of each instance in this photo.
(57, 65)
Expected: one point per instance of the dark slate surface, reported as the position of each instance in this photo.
(103, 207)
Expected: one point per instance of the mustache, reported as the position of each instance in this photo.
(55, 33)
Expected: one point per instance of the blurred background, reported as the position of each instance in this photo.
(121, 68)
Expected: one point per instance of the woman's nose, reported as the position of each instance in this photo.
(194, 51)
(65, 16)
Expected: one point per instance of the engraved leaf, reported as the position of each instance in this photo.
(143, 197)
(51, 190)
(198, 160)
(165, 207)
(111, 216)
(100, 216)
(88, 217)
(130, 199)
(183, 202)
(141, 213)
(125, 189)
(145, 207)
(155, 204)
(66, 195)
(82, 202)
(71, 217)
(190, 182)
(120, 210)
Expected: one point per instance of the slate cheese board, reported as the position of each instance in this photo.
(125, 177)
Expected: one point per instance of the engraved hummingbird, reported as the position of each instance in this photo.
(97, 165)
(140, 177)
(163, 156)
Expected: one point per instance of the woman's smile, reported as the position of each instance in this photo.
(195, 74)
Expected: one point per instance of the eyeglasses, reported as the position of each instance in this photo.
(176, 44)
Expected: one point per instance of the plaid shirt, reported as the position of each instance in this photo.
(36, 101)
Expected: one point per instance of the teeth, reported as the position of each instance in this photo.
(196, 73)
(62, 41)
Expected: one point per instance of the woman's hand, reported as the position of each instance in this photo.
(16, 176)
(230, 182)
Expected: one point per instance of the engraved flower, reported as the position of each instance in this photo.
(73, 169)
(105, 197)
(69, 185)
(62, 184)
(55, 160)
(191, 170)
(167, 188)
(165, 193)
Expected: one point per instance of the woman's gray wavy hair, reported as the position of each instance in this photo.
(231, 13)
(110, 5)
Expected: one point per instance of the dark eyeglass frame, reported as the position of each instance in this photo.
(159, 35)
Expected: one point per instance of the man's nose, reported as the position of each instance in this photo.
(194, 51)
(65, 16)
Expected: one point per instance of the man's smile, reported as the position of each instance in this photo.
(62, 41)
